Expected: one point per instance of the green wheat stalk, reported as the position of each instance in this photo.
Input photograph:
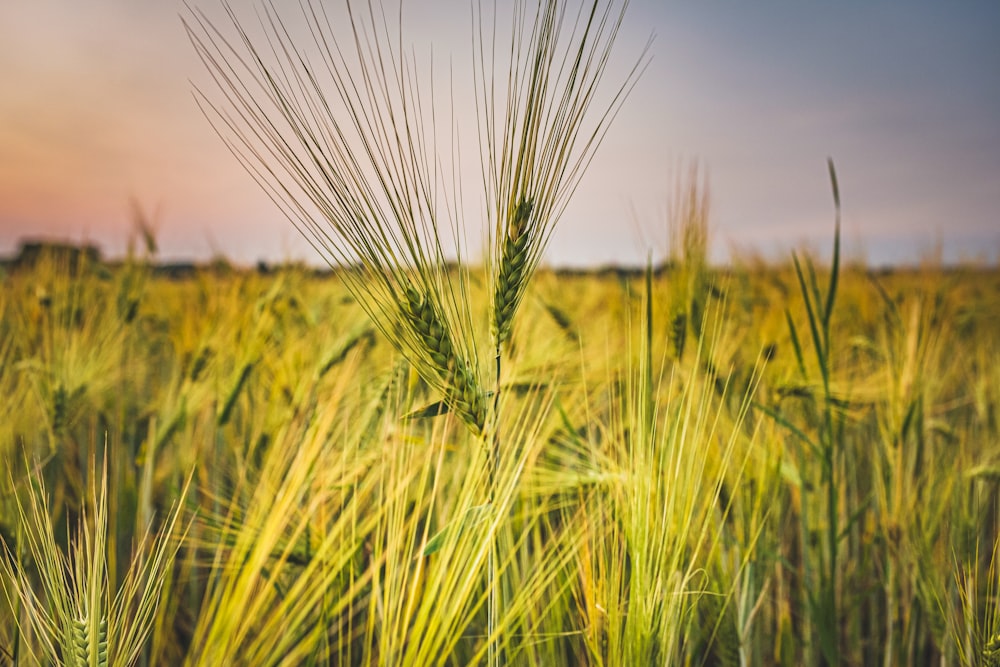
(69, 606)
(344, 136)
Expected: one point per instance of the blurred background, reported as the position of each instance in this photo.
(97, 117)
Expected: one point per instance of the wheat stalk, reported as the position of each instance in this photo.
(68, 602)
(348, 151)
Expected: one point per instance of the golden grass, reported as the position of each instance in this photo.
(650, 507)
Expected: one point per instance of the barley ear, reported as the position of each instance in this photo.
(678, 332)
(513, 272)
(87, 646)
(462, 392)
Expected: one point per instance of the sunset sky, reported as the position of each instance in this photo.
(96, 111)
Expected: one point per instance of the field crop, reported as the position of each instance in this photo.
(415, 459)
(665, 492)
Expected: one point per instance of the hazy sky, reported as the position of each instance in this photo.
(96, 110)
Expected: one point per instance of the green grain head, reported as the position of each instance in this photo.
(513, 272)
(462, 391)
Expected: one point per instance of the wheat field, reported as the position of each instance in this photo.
(432, 456)
(665, 491)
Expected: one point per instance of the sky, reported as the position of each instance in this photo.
(97, 117)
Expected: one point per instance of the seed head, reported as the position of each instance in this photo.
(519, 224)
(462, 391)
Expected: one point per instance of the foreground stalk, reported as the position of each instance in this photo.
(347, 150)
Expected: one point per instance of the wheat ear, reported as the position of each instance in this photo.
(513, 271)
(86, 646)
(463, 394)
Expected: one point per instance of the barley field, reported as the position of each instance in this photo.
(434, 456)
(235, 467)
